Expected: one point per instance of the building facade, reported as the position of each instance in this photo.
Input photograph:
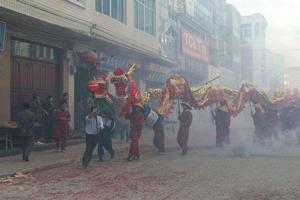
(43, 36)
(292, 77)
(253, 33)
(275, 70)
(195, 38)
(234, 45)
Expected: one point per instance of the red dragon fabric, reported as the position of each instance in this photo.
(127, 88)
(120, 81)
(286, 99)
(249, 93)
(134, 97)
(99, 86)
(213, 94)
(207, 95)
(175, 87)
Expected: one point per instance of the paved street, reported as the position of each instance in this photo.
(237, 172)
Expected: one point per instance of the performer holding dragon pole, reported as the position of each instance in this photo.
(222, 117)
(259, 125)
(185, 119)
(136, 118)
(155, 120)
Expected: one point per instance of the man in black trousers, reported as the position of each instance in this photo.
(93, 126)
(25, 122)
(105, 136)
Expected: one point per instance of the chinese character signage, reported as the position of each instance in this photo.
(2, 35)
(192, 45)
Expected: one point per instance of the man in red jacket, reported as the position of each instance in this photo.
(136, 118)
(185, 119)
(61, 126)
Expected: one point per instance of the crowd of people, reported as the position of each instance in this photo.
(268, 123)
(43, 122)
(100, 128)
(100, 125)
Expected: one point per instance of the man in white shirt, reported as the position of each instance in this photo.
(93, 126)
(105, 136)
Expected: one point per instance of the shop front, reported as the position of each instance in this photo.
(194, 51)
(33, 61)
(154, 75)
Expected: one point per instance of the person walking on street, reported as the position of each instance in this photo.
(105, 136)
(159, 134)
(222, 119)
(93, 126)
(61, 126)
(185, 119)
(136, 118)
(155, 120)
(270, 125)
(259, 125)
(25, 122)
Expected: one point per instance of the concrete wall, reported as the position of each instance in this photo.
(81, 19)
(124, 33)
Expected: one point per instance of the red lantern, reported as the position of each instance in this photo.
(89, 57)
(102, 89)
(92, 86)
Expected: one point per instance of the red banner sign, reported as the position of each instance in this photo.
(193, 46)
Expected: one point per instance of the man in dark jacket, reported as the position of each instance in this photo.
(222, 119)
(105, 136)
(25, 122)
(259, 125)
(155, 120)
(185, 119)
(271, 125)
(159, 134)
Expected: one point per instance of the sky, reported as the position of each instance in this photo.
(283, 31)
